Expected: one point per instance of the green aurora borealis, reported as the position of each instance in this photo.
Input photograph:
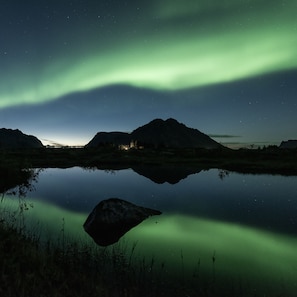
(176, 45)
(233, 61)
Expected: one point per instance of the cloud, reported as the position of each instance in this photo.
(223, 136)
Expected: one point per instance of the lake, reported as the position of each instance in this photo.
(237, 230)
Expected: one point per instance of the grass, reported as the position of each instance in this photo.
(267, 160)
(29, 267)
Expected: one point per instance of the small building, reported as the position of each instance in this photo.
(133, 145)
(124, 147)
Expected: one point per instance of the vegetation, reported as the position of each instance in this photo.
(30, 268)
(267, 160)
(14, 172)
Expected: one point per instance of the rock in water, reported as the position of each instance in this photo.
(112, 218)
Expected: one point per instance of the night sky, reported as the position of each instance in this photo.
(69, 69)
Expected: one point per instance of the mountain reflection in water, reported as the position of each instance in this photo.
(262, 201)
(162, 174)
(246, 222)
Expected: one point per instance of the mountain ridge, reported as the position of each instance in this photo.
(157, 133)
(10, 138)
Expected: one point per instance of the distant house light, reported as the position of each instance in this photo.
(133, 145)
(124, 147)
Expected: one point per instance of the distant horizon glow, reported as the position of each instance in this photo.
(80, 142)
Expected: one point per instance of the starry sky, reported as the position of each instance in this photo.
(69, 69)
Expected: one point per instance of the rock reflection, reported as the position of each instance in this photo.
(114, 217)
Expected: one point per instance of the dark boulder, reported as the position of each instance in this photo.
(114, 217)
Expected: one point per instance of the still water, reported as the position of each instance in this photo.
(240, 229)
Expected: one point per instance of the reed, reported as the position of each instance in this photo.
(64, 267)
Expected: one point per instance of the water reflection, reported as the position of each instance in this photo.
(18, 181)
(162, 174)
(246, 223)
(262, 201)
(249, 256)
(248, 260)
(112, 218)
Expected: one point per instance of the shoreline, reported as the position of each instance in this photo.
(262, 161)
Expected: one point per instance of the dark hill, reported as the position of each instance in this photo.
(290, 144)
(16, 139)
(158, 134)
(109, 138)
(172, 134)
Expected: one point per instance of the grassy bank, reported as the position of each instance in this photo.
(268, 160)
(29, 268)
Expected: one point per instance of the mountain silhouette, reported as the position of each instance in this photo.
(16, 139)
(109, 138)
(289, 144)
(158, 134)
